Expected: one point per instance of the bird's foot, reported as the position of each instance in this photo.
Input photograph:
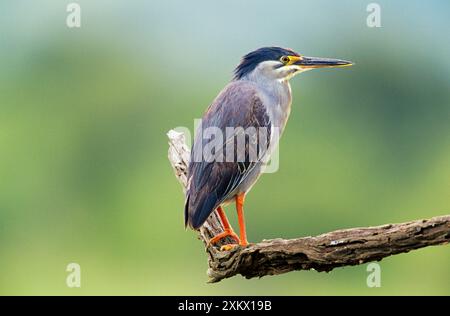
(227, 233)
(228, 247)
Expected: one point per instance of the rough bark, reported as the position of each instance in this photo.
(325, 252)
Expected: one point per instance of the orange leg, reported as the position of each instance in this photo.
(228, 231)
(240, 212)
(223, 218)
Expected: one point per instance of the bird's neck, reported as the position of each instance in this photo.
(279, 91)
(276, 95)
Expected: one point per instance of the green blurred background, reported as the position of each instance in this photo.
(83, 115)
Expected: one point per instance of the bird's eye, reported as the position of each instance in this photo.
(285, 59)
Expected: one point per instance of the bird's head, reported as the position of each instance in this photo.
(281, 64)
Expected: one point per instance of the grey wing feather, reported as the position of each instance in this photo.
(212, 183)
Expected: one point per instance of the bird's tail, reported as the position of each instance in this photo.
(186, 212)
(196, 215)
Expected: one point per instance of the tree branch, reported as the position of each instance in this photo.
(322, 253)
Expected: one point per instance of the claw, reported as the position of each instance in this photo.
(228, 247)
(226, 233)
